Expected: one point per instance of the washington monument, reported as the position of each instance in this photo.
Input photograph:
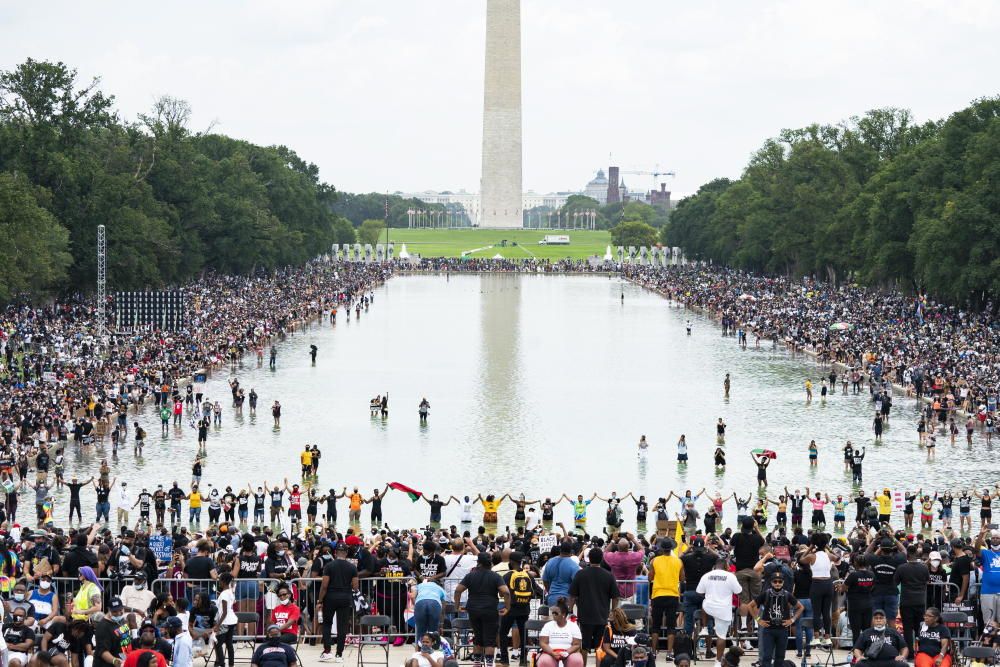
(500, 186)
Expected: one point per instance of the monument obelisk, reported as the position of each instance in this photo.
(500, 187)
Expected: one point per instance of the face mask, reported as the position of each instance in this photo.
(18, 620)
(45, 585)
(281, 552)
(140, 587)
(878, 628)
(118, 619)
(19, 597)
(273, 641)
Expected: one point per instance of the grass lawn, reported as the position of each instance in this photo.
(453, 242)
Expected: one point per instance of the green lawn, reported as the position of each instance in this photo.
(453, 242)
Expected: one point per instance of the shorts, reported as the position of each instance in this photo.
(592, 635)
(20, 657)
(682, 457)
(484, 627)
(489, 517)
(750, 584)
(295, 514)
(722, 626)
(945, 512)
(663, 613)
(838, 517)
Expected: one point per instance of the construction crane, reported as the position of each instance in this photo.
(655, 173)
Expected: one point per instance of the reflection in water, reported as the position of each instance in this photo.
(498, 403)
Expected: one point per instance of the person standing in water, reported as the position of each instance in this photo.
(720, 431)
(643, 446)
(312, 353)
(276, 413)
(813, 454)
(424, 408)
(725, 385)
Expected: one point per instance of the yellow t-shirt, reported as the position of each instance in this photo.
(666, 576)
(491, 505)
(195, 499)
(306, 458)
(884, 504)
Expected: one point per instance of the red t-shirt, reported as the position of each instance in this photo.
(284, 613)
(133, 658)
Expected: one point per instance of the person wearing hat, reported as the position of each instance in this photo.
(175, 629)
(885, 553)
(273, 652)
(634, 654)
(137, 597)
(775, 610)
(666, 572)
(149, 638)
(880, 645)
(111, 633)
(912, 577)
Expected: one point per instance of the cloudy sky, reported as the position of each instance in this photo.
(387, 95)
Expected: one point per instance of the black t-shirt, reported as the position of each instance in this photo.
(17, 635)
(746, 549)
(960, 567)
(64, 642)
(594, 588)
(429, 566)
(697, 563)
(341, 572)
(776, 606)
(111, 637)
(74, 490)
(912, 578)
(929, 639)
(199, 567)
(859, 586)
(889, 641)
(484, 589)
(175, 495)
(103, 494)
(884, 568)
(436, 506)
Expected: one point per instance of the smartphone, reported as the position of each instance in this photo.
(994, 526)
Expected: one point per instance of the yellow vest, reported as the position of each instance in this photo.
(82, 599)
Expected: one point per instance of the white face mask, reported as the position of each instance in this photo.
(45, 585)
(879, 628)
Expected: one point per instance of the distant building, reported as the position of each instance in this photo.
(597, 188)
(660, 197)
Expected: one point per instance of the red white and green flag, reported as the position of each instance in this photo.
(412, 493)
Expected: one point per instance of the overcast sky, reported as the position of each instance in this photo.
(387, 95)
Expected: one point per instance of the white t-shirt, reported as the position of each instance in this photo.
(718, 587)
(561, 638)
(422, 660)
(229, 598)
(465, 564)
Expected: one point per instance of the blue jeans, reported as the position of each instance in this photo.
(426, 616)
(103, 509)
(887, 603)
(802, 632)
(194, 514)
(773, 642)
(691, 603)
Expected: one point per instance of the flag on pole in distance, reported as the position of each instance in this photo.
(412, 493)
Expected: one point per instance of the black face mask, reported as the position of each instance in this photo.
(274, 641)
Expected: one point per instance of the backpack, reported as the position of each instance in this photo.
(520, 587)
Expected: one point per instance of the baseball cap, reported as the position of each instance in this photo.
(116, 603)
(698, 541)
(173, 622)
(641, 639)
(934, 556)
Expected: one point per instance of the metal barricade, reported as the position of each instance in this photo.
(255, 599)
(389, 596)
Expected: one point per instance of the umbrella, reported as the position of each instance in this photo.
(840, 326)
(766, 452)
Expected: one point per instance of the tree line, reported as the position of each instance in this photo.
(877, 199)
(174, 202)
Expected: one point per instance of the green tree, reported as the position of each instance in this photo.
(633, 233)
(370, 231)
(35, 244)
(343, 232)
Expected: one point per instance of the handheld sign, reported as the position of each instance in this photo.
(162, 546)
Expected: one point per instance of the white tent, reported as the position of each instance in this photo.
(498, 256)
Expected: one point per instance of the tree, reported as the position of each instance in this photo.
(633, 233)
(343, 232)
(370, 231)
(35, 245)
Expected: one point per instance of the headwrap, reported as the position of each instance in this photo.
(87, 573)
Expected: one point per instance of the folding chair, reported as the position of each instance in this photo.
(374, 632)
(461, 637)
(982, 653)
(957, 622)
(531, 630)
(635, 613)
